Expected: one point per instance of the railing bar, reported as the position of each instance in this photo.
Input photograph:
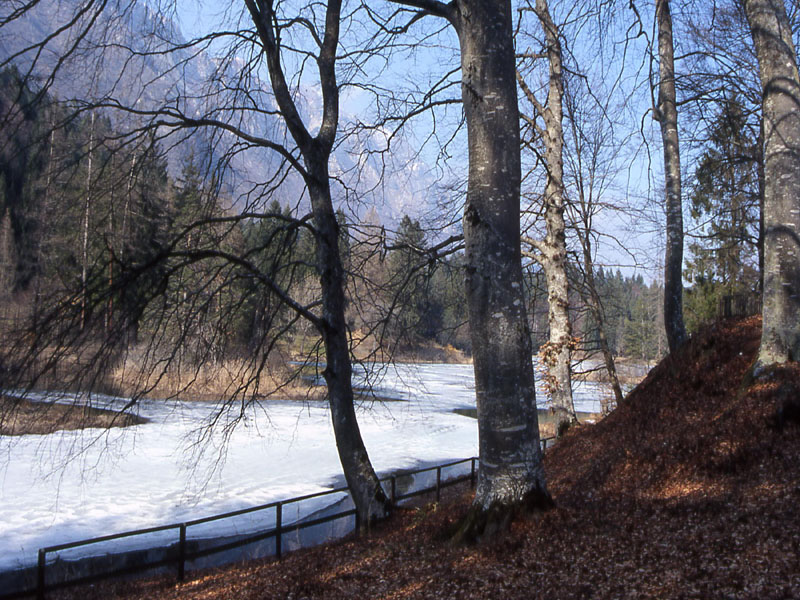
(316, 495)
(267, 534)
(445, 483)
(107, 538)
(242, 511)
(233, 513)
(236, 513)
(305, 524)
(416, 493)
(426, 469)
(455, 480)
(156, 529)
(116, 536)
(190, 556)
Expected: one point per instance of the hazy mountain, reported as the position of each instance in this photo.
(137, 57)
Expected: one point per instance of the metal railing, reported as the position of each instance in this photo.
(181, 554)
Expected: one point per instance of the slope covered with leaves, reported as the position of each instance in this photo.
(689, 490)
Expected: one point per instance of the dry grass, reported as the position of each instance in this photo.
(366, 346)
(211, 381)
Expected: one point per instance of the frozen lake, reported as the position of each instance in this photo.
(80, 484)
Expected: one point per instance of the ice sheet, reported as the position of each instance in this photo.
(81, 484)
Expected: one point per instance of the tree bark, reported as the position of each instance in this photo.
(368, 496)
(666, 113)
(511, 474)
(8, 255)
(780, 83)
(761, 189)
(87, 205)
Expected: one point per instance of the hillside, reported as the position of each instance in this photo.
(689, 490)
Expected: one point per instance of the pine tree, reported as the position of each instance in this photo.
(413, 314)
(724, 203)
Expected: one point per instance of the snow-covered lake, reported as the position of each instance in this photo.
(75, 485)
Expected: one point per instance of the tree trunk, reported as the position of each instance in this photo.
(596, 308)
(511, 474)
(8, 254)
(558, 354)
(780, 82)
(365, 488)
(85, 228)
(667, 115)
(762, 184)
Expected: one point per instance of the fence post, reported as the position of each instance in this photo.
(278, 528)
(182, 552)
(472, 472)
(438, 483)
(40, 575)
(394, 490)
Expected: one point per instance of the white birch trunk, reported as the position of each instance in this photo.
(85, 227)
(553, 252)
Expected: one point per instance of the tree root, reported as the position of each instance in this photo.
(480, 525)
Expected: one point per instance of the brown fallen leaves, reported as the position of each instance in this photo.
(689, 490)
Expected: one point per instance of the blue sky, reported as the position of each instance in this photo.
(410, 71)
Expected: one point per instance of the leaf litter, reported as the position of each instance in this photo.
(690, 489)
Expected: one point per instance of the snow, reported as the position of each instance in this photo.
(75, 485)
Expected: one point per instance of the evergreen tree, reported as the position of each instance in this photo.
(416, 314)
(724, 203)
(142, 231)
(272, 245)
(447, 291)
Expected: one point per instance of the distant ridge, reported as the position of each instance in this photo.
(160, 74)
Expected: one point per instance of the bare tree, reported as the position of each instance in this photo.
(511, 474)
(239, 115)
(551, 252)
(780, 83)
(666, 113)
(316, 151)
(590, 168)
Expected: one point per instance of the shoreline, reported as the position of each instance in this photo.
(20, 416)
